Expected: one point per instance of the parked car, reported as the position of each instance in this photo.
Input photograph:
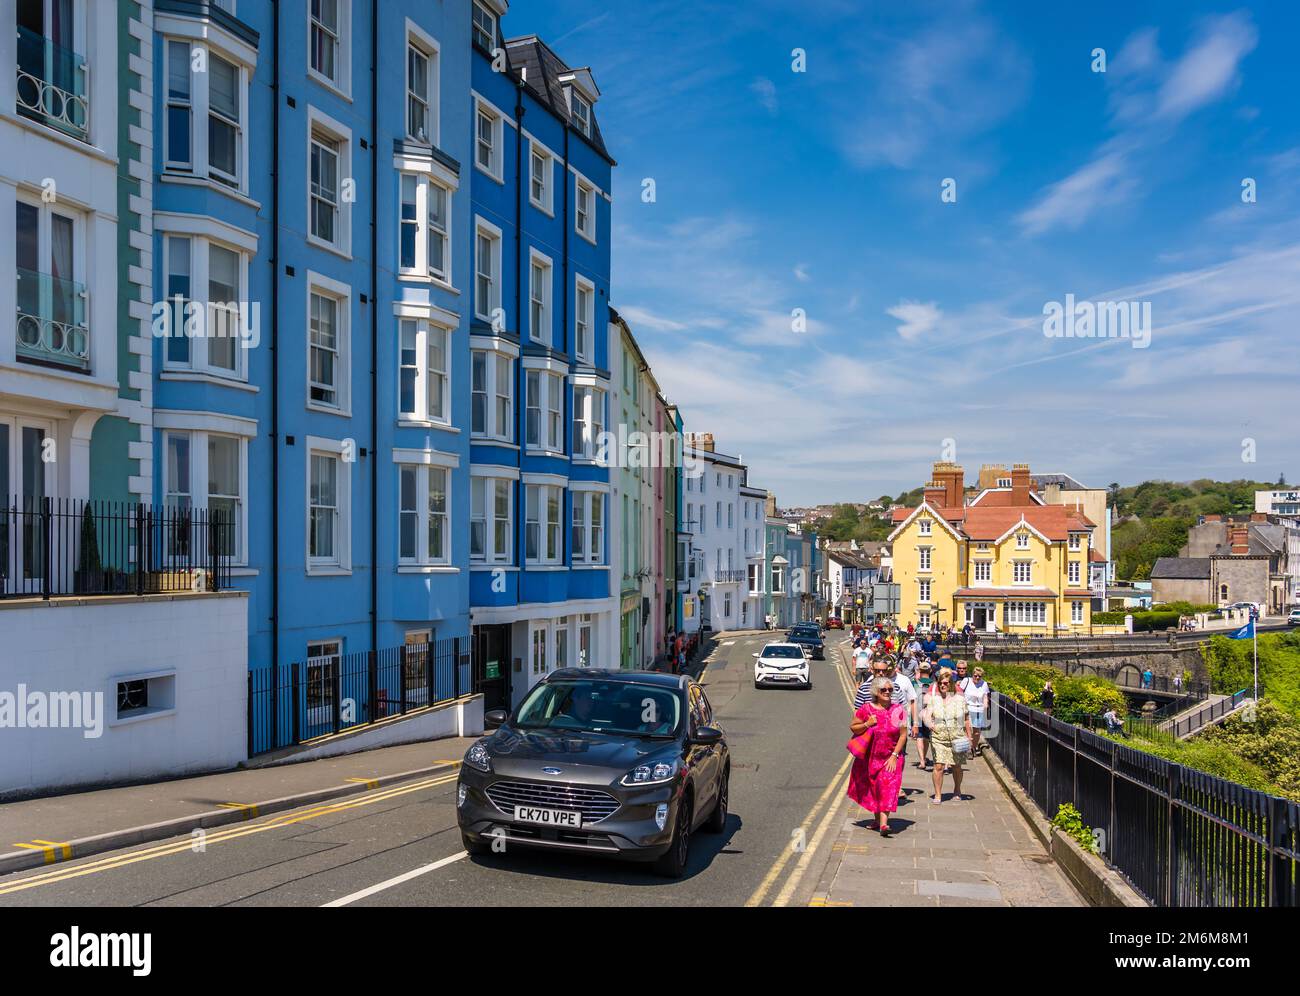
(622, 763)
(782, 664)
(1294, 617)
(809, 637)
(834, 622)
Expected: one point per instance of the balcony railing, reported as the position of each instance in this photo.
(62, 546)
(52, 84)
(727, 577)
(51, 326)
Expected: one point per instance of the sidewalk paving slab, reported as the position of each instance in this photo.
(976, 852)
(89, 822)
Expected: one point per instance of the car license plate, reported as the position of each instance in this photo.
(549, 817)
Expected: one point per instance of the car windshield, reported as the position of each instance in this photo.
(590, 705)
(783, 652)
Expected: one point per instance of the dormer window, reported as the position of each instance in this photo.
(581, 111)
(485, 27)
(1004, 482)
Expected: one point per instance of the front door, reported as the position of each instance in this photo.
(492, 666)
(25, 481)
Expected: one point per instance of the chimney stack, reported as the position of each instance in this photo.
(934, 494)
(1239, 537)
(951, 477)
(1021, 486)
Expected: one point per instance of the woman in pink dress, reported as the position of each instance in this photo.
(877, 772)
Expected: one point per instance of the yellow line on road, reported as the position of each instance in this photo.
(370, 783)
(773, 873)
(218, 836)
(247, 808)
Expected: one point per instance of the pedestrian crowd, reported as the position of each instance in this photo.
(911, 688)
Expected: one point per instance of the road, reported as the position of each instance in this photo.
(400, 846)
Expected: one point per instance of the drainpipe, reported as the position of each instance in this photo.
(275, 358)
(521, 378)
(374, 326)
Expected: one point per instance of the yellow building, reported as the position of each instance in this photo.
(1002, 560)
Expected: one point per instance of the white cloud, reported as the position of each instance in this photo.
(1209, 69)
(765, 89)
(801, 273)
(1070, 202)
(917, 317)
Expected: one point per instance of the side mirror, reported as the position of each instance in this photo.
(495, 718)
(753, 655)
(707, 736)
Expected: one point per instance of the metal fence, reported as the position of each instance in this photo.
(292, 703)
(1180, 837)
(65, 546)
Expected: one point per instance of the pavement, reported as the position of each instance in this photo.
(975, 852)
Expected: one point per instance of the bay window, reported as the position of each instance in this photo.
(424, 531)
(492, 387)
(423, 390)
(545, 411)
(205, 333)
(490, 528)
(424, 247)
(542, 541)
(588, 533)
(205, 111)
(588, 421)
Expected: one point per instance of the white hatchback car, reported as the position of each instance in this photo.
(782, 664)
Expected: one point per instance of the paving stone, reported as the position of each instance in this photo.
(959, 890)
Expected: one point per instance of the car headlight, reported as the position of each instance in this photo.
(651, 774)
(477, 757)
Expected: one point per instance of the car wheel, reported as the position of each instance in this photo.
(718, 818)
(672, 863)
(474, 845)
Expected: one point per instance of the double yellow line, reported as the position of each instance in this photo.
(818, 822)
(221, 836)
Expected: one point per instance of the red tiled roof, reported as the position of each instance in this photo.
(1077, 592)
(989, 522)
(1096, 556)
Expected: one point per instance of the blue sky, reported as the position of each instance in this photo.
(820, 191)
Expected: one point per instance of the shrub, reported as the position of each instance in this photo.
(1070, 821)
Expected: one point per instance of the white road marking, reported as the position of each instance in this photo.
(380, 887)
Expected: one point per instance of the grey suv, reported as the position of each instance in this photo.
(622, 763)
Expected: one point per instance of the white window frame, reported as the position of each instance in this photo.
(924, 557)
(427, 46)
(496, 135)
(1076, 612)
(584, 319)
(1072, 572)
(1022, 541)
(341, 561)
(923, 527)
(323, 126)
(341, 83)
(581, 122)
(476, 28)
(1075, 545)
(549, 405)
(483, 310)
(1026, 613)
(425, 332)
(488, 486)
(539, 500)
(492, 359)
(201, 244)
(588, 231)
(546, 202)
(1022, 572)
(341, 294)
(540, 298)
(983, 572)
(584, 501)
(421, 267)
(199, 474)
(923, 591)
(422, 476)
(199, 104)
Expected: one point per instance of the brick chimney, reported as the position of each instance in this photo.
(934, 495)
(1258, 516)
(1239, 537)
(951, 477)
(1021, 485)
(1213, 518)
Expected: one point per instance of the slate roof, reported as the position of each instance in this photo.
(1065, 481)
(1182, 569)
(544, 69)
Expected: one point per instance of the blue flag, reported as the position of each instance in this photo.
(1246, 632)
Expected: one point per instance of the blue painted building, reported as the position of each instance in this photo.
(539, 507)
(379, 341)
(310, 196)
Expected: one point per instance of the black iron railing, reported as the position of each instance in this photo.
(1181, 837)
(292, 703)
(53, 547)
